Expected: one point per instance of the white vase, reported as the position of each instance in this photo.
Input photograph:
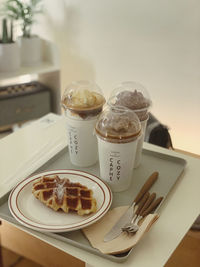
(30, 49)
(9, 57)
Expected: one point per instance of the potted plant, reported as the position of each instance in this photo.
(9, 50)
(25, 11)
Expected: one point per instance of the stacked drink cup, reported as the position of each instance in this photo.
(134, 96)
(117, 130)
(83, 102)
(114, 136)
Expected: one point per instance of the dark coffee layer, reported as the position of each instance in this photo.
(84, 114)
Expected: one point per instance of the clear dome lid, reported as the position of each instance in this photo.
(133, 96)
(118, 124)
(83, 95)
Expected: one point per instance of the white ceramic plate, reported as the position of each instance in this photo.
(32, 213)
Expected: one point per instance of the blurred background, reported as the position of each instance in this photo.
(154, 42)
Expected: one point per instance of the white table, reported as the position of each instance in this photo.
(179, 211)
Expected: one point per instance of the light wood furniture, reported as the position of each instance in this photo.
(32, 248)
(186, 254)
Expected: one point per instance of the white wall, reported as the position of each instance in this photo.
(153, 42)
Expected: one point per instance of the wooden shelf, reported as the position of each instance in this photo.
(50, 63)
(46, 72)
(41, 68)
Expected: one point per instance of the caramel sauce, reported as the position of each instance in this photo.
(86, 204)
(116, 139)
(72, 191)
(72, 202)
(47, 194)
(85, 193)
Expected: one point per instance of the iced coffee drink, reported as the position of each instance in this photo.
(135, 97)
(83, 102)
(117, 130)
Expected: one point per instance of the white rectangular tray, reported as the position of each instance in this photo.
(169, 168)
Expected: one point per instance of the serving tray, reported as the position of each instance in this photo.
(169, 168)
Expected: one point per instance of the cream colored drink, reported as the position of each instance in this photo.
(83, 102)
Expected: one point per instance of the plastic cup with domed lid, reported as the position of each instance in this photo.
(118, 130)
(83, 102)
(134, 96)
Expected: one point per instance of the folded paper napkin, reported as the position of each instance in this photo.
(124, 242)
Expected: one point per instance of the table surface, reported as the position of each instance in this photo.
(179, 211)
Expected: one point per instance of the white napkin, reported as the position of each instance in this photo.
(124, 242)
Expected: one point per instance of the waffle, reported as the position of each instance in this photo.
(61, 194)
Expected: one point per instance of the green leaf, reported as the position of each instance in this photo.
(18, 3)
(5, 38)
(23, 11)
(12, 12)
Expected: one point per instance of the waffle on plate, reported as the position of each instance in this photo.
(61, 194)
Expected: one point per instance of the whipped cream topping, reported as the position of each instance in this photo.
(132, 99)
(120, 124)
(83, 99)
(59, 190)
